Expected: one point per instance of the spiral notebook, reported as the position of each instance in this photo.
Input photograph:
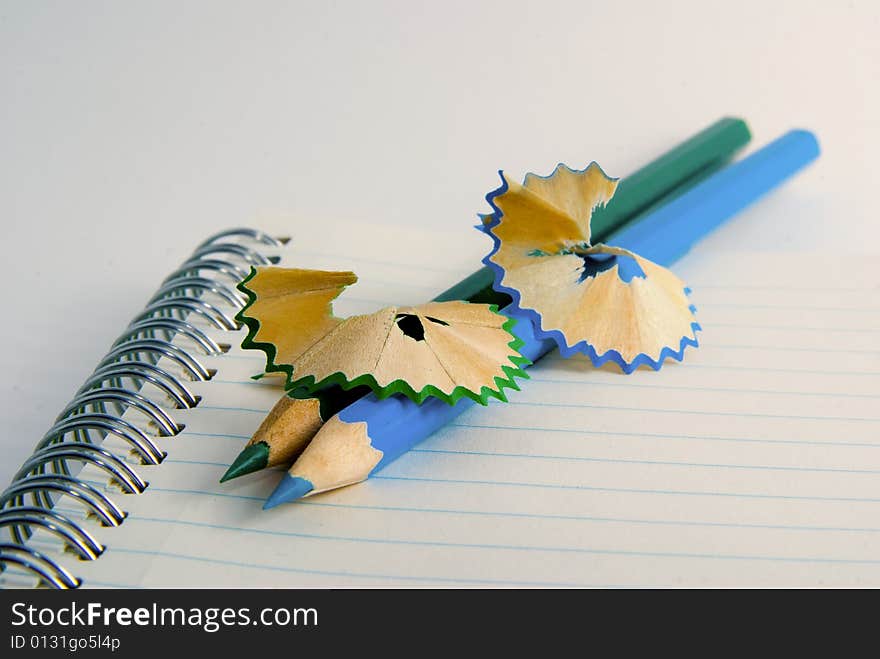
(755, 462)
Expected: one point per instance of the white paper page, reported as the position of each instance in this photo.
(756, 462)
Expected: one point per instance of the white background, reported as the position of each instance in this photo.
(130, 131)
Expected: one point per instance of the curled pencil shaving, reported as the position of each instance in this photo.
(442, 349)
(601, 300)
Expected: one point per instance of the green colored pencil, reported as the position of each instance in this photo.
(293, 421)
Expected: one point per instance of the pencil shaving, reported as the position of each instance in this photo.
(606, 302)
(442, 349)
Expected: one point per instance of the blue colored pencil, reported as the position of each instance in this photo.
(366, 436)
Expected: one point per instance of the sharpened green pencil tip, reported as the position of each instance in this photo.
(289, 489)
(253, 458)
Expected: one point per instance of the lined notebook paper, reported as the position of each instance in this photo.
(756, 462)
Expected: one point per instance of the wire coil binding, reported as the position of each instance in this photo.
(97, 409)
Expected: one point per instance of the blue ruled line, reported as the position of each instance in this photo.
(696, 412)
(311, 502)
(356, 575)
(553, 486)
(796, 328)
(491, 547)
(776, 307)
(653, 386)
(648, 435)
(665, 463)
(626, 490)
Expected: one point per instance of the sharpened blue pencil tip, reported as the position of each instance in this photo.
(289, 489)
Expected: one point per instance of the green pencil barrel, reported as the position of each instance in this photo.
(476, 287)
(708, 149)
(671, 174)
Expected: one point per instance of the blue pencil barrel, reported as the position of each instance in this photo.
(396, 424)
(666, 234)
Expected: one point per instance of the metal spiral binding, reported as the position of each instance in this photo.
(97, 409)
